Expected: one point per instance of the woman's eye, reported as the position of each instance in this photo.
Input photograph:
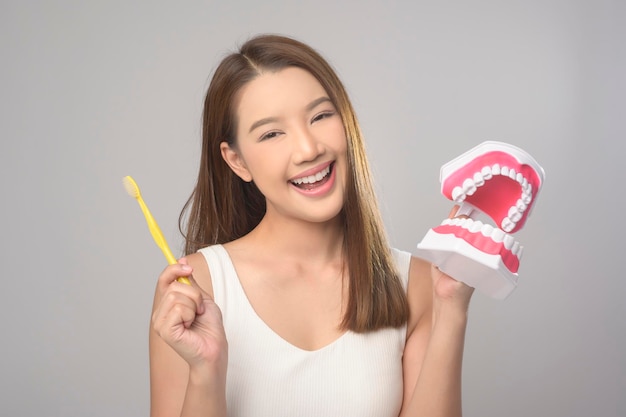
(269, 135)
(323, 115)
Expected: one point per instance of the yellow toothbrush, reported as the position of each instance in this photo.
(133, 190)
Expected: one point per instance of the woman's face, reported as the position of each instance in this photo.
(291, 142)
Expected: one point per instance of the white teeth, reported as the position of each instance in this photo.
(507, 224)
(520, 250)
(458, 195)
(497, 235)
(514, 214)
(471, 185)
(508, 242)
(515, 247)
(488, 231)
(528, 189)
(312, 178)
(475, 227)
(479, 180)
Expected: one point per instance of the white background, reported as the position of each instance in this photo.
(91, 91)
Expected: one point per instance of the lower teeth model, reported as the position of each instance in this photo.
(501, 181)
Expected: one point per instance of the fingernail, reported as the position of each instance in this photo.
(186, 268)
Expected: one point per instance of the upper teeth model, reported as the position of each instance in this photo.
(501, 181)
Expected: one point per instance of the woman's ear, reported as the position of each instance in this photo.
(235, 162)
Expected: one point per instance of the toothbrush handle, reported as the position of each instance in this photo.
(159, 239)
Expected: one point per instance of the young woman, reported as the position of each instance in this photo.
(298, 307)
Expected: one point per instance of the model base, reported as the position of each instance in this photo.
(457, 258)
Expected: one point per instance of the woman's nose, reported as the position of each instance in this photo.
(306, 146)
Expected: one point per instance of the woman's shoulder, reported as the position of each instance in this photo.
(201, 271)
(210, 265)
(416, 269)
(420, 290)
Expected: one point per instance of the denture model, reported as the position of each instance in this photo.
(502, 182)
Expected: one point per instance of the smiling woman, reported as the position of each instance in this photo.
(298, 306)
(295, 137)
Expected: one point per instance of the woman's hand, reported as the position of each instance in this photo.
(447, 290)
(450, 292)
(188, 320)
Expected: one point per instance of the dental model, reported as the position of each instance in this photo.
(501, 181)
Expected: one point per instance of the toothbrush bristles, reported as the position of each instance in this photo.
(131, 186)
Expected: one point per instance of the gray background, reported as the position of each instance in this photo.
(92, 91)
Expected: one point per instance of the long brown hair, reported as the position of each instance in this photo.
(223, 207)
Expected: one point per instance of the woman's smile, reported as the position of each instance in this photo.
(316, 182)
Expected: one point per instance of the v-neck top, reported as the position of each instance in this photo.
(357, 375)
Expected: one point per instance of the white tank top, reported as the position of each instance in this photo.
(357, 375)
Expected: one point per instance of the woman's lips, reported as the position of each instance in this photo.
(317, 182)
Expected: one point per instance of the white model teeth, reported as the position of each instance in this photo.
(479, 181)
(469, 187)
(488, 231)
(312, 178)
(508, 242)
(497, 235)
(516, 212)
(507, 224)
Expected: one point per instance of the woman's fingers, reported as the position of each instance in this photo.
(186, 317)
(172, 272)
(175, 311)
(195, 285)
(176, 314)
(177, 303)
(453, 211)
(462, 212)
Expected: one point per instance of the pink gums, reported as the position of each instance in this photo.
(499, 193)
(482, 243)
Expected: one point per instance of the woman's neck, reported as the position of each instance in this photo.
(297, 239)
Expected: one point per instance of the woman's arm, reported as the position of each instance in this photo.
(435, 340)
(188, 349)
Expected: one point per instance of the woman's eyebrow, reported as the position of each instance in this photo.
(262, 122)
(317, 102)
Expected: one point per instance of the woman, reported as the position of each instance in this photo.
(298, 307)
